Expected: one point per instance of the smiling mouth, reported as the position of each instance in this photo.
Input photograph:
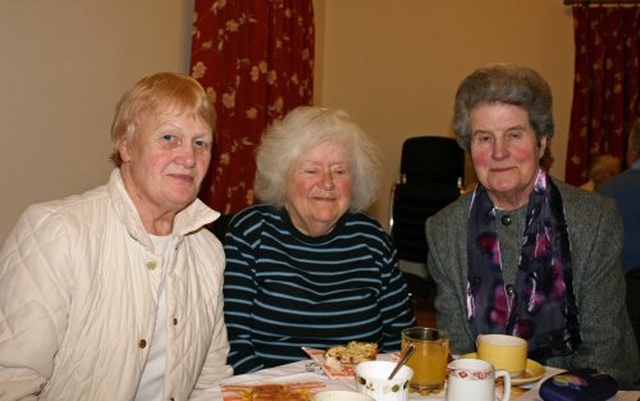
(323, 199)
(183, 177)
(501, 169)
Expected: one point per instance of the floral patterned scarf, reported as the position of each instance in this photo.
(542, 309)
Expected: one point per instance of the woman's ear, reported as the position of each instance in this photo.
(542, 144)
(123, 148)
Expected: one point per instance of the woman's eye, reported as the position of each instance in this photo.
(482, 138)
(515, 135)
(201, 144)
(168, 138)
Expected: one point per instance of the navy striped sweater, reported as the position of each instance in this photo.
(284, 290)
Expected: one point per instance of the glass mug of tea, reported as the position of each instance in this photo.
(429, 361)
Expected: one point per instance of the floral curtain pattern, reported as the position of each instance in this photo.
(255, 59)
(606, 85)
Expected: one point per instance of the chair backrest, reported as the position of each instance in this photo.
(432, 171)
(432, 159)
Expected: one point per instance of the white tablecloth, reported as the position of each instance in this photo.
(308, 371)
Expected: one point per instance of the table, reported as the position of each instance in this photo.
(309, 371)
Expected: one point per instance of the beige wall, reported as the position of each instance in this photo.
(63, 66)
(394, 65)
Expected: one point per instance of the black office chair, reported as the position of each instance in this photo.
(431, 177)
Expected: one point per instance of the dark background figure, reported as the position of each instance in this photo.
(625, 189)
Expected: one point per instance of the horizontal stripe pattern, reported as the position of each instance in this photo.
(284, 290)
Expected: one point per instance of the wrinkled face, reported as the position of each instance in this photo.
(319, 186)
(505, 152)
(165, 162)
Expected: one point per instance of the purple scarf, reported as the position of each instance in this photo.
(542, 308)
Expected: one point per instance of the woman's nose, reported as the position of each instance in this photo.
(500, 149)
(327, 180)
(187, 155)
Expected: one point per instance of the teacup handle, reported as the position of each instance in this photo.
(507, 384)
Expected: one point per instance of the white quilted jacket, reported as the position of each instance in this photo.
(79, 284)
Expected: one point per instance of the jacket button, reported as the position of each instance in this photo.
(511, 289)
(175, 321)
(142, 343)
(152, 264)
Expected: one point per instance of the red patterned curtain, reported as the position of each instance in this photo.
(606, 87)
(255, 59)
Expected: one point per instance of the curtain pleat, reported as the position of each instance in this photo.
(255, 59)
(605, 95)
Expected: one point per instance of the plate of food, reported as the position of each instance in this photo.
(302, 391)
(340, 360)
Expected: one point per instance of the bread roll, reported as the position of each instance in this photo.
(351, 354)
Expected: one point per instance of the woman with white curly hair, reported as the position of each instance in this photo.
(307, 267)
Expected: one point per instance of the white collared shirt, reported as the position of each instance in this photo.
(151, 385)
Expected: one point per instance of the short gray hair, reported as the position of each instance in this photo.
(302, 129)
(508, 84)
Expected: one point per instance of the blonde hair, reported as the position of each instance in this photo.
(150, 95)
(604, 167)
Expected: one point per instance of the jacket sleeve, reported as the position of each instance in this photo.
(215, 367)
(35, 283)
(608, 341)
(446, 262)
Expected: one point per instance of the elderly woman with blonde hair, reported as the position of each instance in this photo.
(116, 293)
(307, 267)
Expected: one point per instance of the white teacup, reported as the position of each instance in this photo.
(503, 352)
(372, 380)
(474, 379)
(340, 395)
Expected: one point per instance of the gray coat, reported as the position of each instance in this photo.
(595, 232)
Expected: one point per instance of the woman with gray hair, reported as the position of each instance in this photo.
(307, 267)
(528, 255)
